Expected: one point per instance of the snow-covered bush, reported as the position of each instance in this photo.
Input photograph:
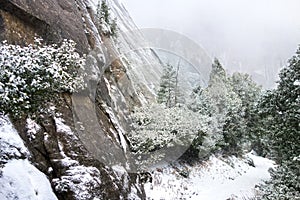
(33, 75)
(157, 126)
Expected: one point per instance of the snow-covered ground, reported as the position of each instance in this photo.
(216, 179)
(19, 179)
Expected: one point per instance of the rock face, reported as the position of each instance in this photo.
(117, 84)
(52, 20)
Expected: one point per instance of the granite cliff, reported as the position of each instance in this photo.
(61, 149)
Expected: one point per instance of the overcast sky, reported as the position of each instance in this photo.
(248, 35)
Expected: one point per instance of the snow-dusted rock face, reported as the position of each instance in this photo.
(117, 82)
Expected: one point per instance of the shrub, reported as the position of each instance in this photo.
(156, 127)
(31, 76)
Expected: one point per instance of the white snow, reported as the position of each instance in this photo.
(21, 180)
(93, 4)
(79, 179)
(9, 135)
(119, 133)
(61, 127)
(32, 128)
(297, 83)
(216, 179)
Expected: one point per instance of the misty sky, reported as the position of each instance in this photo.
(256, 36)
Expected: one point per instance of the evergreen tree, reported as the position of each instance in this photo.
(279, 122)
(218, 74)
(168, 87)
(284, 184)
(225, 106)
(246, 89)
(222, 105)
(235, 129)
(282, 109)
(107, 25)
(228, 101)
(114, 27)
(200, 101)
(103, 12)
(259, 125)
(220, 91)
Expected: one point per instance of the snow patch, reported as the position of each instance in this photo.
(217, 178)
(10, 140)
(21, 180)
(32, 128)
(297, 83)
(61, 127)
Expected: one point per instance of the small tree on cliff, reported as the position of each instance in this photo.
(107, 26)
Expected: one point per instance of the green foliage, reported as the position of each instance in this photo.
(279, 109)
(114, 27)
(277, 130)
(220, 102)
(104, 11)
(200, 102)
(107, 26)
(221, 93)
(235, 129)
(32, 76)
(218, 74)
(229, 102)
(285, 182)
(168, 93)
(246, 89)
(260, 126)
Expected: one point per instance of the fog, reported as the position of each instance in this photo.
(254, 36)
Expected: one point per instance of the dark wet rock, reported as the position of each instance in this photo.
(53, 20)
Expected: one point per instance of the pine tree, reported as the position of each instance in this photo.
(106, 24)
(235, 130)
(200, 101)
(281, 107)
(246, 89)
(218, 74)
(220, 91)
(168, 87)
(221, 104)
(284, 184)
(103, 11)
(279, 122)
